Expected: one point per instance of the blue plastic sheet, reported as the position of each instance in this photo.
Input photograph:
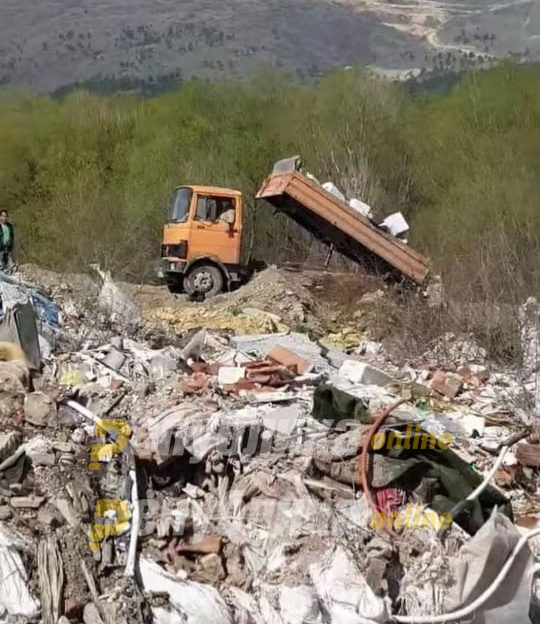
(47, 312)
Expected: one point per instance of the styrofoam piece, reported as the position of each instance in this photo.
(332, 188)
(396, 224)
(361, 207)
(472, 424)
(229, 375)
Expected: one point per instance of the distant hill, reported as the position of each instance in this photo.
(154, 44)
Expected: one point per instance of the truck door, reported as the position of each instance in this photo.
(215, 229)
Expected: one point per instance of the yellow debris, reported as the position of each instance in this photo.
(186, 319)
(344, 339)
(10, 352)
(72, 378)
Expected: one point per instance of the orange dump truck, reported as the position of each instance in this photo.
(202, 241)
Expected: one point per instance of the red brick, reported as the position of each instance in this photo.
(447, 384)
(200, 544)
(288, 358)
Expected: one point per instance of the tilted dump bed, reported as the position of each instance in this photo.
(335, 223)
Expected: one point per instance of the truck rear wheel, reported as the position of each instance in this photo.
(205, 279)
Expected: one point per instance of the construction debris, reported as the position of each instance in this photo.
(208, 477)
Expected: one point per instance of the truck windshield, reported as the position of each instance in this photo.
(180, 205)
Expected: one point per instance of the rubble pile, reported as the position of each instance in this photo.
(228, 476)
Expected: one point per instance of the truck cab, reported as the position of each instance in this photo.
(202, 240)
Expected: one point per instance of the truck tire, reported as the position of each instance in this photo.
(204, 279)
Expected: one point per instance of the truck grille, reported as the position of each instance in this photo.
(174, 251)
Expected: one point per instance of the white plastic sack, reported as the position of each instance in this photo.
(116, 303)
(246, 608)
(12, 294)
(268, 613)
(162, 616)
(347, 597)
(299, 605)
(480, 561)
(197, 603)
(15, 598)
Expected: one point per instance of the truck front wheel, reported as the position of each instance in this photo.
(204, 279)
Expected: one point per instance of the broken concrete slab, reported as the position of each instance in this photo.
(39, 409)
(362, 373)
(114, 359)
(281, 419)
(27, 502)
(5, 513)
(210, 569)
(161, 367)
(63, 447)
(43, 459)
(299, 344)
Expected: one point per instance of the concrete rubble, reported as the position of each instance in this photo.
(201, 476)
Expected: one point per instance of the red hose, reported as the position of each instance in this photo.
(363, 466)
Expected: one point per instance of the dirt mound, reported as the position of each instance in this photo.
(279, 292)
(272, 301)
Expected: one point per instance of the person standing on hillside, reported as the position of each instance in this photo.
(7, 240)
